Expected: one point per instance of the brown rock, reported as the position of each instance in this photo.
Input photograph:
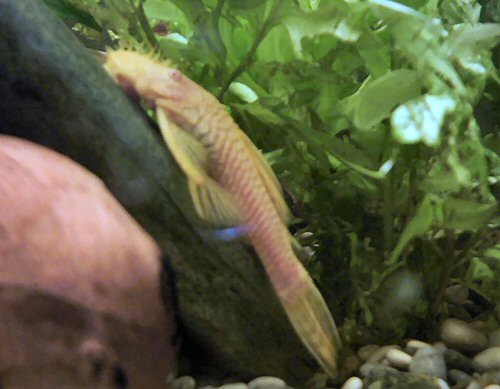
(461, 336)
(79, 280)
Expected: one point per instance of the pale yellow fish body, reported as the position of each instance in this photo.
(231, 184)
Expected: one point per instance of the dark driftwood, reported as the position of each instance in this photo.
(53, 92)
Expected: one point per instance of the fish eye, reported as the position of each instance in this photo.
(175, 74)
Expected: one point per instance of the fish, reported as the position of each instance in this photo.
(231, 184)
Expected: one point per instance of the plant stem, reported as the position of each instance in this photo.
(216, 41)
(144, 23)
(448, 260)
(463, 256)
(388, 211)
(247, 61)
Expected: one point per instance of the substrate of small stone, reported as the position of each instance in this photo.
(467, 356)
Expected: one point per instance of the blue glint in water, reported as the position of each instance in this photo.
(227, 234)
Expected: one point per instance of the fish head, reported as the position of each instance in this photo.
(159, 84)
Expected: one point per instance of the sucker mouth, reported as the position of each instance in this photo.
(127, 86)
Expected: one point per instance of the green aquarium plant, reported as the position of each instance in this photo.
(377, 118)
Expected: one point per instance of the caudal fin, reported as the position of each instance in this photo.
(314, 325)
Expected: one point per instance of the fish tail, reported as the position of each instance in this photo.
(314, 324)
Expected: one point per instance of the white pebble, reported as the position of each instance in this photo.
(184, 382)
(474, 385)
(488, 359)
(429, 361)
(353, 383)
(492, 386)
(442, 384)
(380, 354)
(416, 344)
(267, 382)
(235, 385)
(461, 336)
(398, 358)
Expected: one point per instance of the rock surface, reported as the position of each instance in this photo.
(462, 336)
(80, 297)
(488, 359)
(429, 361)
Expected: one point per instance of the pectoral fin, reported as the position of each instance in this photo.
(213, 203)
(190, 154)
(210, 200)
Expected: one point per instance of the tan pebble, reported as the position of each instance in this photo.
(184, 382)
(375, 385)
(442, 384)
(477, 324)
(488, 359)
(234, 385)
(456, 294)
(353, 383)
(494, 338)
(492, 386)
(413, 345)
(380, 354)
(460, 336)
(365, 352)
(267, 382)
(398, 358)
(473, 385)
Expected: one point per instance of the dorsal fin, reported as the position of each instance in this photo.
(269, 179)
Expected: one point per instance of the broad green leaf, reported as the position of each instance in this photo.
(65, 10)
(466, 215)
(323, 21)
(418, 225)
(276, 46)
(493, 252)
(380, 96)
(309, 5)
(467, 40)
(480, 271)
(245, 5)
(264, 114)
(377, 60)
(440, 182)
(418, 36)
